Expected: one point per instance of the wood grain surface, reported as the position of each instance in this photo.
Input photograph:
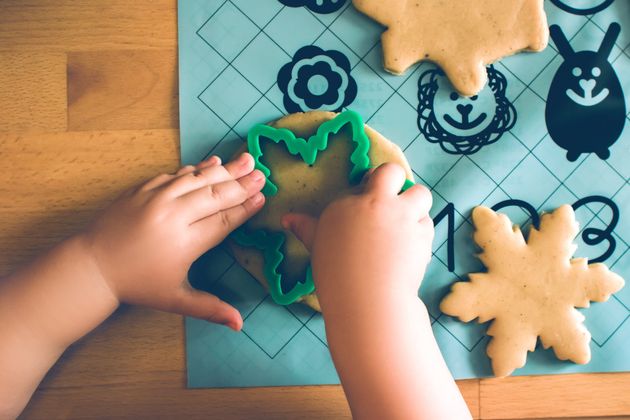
(88, 107)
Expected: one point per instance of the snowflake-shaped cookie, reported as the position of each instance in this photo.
(461, 36)
(531, 289)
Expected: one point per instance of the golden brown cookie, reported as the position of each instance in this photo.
(307, 189)
(531, 289)
(461, 36)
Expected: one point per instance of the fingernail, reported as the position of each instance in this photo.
(285, 223)
(257, 199)
(214, 160)
(231, 324)
(257, 176)
(243, 159)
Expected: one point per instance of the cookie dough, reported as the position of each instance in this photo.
(531, 289)
(307, 189)
(461, 36)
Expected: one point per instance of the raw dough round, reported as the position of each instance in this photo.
(306, 189)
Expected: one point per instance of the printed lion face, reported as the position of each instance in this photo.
(460, 115)
(459, 124)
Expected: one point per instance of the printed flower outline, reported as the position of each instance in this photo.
(317, 6)
(317, 80)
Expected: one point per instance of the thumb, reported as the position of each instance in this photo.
(302, 226)
(202, 305)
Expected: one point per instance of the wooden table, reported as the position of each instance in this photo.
(88, 107)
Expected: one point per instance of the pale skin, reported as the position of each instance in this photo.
(140, 249)
(369, 253)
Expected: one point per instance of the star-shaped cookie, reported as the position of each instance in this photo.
(461, 36)
(531, 289)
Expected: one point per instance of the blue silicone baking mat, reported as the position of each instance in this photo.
(517, 140)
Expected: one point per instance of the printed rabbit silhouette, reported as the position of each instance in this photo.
(586, 111)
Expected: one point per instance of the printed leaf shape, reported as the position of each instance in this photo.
(531, 289)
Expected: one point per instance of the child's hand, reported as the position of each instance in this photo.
(146, 241)
(139, 252)
(369, 246)
(369, 253)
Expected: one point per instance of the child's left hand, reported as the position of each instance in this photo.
(146, 241)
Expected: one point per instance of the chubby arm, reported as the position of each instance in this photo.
(137, 252)
(369, 254)
(43, 309)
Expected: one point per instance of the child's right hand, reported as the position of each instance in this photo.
(375, 245)
(369, 253)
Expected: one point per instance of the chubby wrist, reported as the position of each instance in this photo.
(369, 311)
(84, 284)
(61, 296)
(81, 246)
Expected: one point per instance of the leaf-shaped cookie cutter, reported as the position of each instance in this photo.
(271, 242)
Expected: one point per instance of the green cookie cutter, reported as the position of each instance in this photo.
(271, 242)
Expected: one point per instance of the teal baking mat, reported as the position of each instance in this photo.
(550, 128)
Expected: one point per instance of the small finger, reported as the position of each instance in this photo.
(366, 176)
(204, 202)
(210, 175)
(302, 226)
(202, 305)
(427, 224)
(427, 234)
(240, 166)
(213, 160)
(188, 169)
(388, 178)
(368, 173)
(420, 199)
(157, 182)
(185, 170)
(214, 229)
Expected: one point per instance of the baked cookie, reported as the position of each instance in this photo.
(461, 36)
(303, 179)
(531, 289)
